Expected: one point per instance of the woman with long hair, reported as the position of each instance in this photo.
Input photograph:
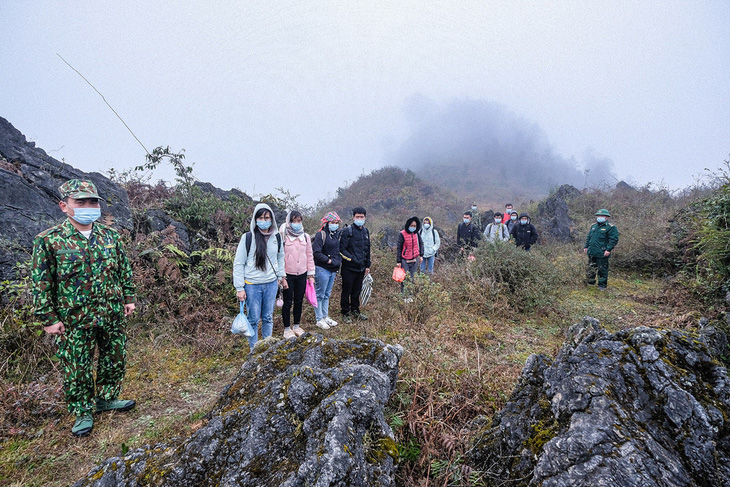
(257, 270)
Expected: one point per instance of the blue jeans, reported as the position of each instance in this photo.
(323, 282)
(428, 261)
(260, 301)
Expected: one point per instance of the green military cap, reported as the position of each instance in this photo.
(603, 212)
(79, 189)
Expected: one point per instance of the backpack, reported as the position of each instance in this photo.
(249, 237)
(433, 235)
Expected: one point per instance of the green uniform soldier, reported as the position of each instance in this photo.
(82, 291)
(601, 240)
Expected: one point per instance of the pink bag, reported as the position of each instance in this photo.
(311, 293)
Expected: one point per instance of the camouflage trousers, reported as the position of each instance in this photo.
(76, 353)
(597, 265)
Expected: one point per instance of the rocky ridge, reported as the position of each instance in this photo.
(644, 406)
(306, 411)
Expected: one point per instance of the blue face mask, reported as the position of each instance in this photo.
(359, 222)
(467, 220)
(523, 222)
(297, 227)
(426, 226)
(334, 227)
(601, 219)
(86, 216)
(263, 224)
(412, 229)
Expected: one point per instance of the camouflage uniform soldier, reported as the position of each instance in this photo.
(82, 291)
(601, 239)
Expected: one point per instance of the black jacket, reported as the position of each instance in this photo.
(355, 248)
(524, 235)
(414, 237)
(468, 236)
(326, 246)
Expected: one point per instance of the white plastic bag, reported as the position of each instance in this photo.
(240, 325)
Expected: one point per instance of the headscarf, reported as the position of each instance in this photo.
(330, 217)
(290, 232)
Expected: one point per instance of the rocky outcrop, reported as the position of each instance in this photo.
(642, 407)
(157, 220)
(29, 179)
(552, 215)
(306, 411)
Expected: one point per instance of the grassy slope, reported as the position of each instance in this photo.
(453, 369)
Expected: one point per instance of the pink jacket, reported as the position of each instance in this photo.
(298, 256)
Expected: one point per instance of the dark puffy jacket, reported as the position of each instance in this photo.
(468, 236)
(601, 237)
(326, 246)
(410, 241)
(524, 235)
(355, 248)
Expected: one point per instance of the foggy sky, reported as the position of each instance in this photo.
(309, 95)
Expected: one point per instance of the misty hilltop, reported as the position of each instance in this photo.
(482, 151)
(398, 194)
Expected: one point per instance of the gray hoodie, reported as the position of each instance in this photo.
(244, 264)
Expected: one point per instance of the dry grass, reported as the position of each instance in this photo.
(460, 362)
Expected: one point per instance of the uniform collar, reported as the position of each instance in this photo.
(69, 229)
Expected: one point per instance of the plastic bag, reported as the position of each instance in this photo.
(240, 325)
(367, 289)
(311, 293)
(399, 274)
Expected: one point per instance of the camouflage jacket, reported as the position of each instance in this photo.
(78, 281)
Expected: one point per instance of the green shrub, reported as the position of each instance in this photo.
(713, 243)
(503, 277)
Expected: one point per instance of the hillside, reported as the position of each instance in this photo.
(392, 194)
(468, 333)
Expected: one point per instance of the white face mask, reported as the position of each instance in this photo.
(426, 226)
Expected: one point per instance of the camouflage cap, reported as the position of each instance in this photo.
(79, 189)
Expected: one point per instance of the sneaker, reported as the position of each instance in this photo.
(330, 321)
(289, 333)
(298, 330)
(114, 405)
(323, 324)
(83, 425)
(347, 319)
(361, 316)
(407, 300)
(601, 288)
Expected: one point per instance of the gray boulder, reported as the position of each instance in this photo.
(29, 179)
(305, 411)
(643, 406)
(552, 219)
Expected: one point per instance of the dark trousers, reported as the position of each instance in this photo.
(351, 288)
(411, 268)
(597, 265)
(294, 294)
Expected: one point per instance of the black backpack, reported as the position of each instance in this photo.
(249, 237)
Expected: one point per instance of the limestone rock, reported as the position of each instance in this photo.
(305, 411)
(29, 179)
(643, 406)
(552, 215)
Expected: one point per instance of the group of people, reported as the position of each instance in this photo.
(83, 288)
(263, 264)
(506, 226)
